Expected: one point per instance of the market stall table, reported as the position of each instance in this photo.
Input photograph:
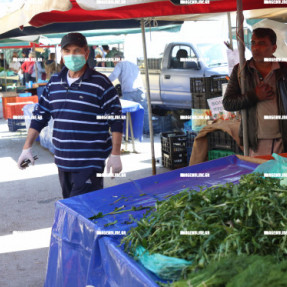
(81, 255)
(11, 78)
(133, 125)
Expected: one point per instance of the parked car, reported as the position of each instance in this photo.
(170, 75)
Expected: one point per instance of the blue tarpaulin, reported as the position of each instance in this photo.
(137, 115)
(81, 255)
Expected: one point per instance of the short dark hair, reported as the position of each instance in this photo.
(266, 32)
(119, 55)
(106, 47)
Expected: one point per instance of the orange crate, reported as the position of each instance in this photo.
(33, 99)
(15, 109)
(269, 157)
(6, 100)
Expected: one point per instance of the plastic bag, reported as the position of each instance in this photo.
(274, 168)
(165, 267)
(200, 117)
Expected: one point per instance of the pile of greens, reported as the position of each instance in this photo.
(236, 216)
(238, 271)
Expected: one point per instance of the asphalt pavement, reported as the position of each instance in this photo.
(28, 197)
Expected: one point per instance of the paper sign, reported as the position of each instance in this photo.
(215, 105)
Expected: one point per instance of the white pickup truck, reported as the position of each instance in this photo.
(170, 75)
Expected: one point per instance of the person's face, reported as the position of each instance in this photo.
(116, 62)
(262, 48)
(75, 50)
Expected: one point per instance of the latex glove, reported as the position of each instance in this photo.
(114, 162)
(26, 154)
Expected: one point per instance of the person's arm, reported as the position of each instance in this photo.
(23, 67)
(27, 148)
(116, 140)
(41, 118)
(112, 107)
(115, 73)
(114, 160)
(31, 137)
(233, 99)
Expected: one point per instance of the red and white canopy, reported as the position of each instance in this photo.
(43, 12)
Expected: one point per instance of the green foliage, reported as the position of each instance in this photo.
(236, 216)
(238, 271)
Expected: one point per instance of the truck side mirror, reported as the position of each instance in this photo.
(193, 65)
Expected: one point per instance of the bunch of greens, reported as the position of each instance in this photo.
(235, 215)
(238, 271)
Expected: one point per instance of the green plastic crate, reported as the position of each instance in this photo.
(216, 153)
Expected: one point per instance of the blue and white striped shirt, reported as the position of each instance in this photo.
(81, 140)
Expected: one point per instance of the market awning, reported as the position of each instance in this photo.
(22, 42)
(105, 32)
(130, 26)
(98, 40)
(87, 12)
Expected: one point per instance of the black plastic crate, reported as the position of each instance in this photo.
(14, 125)
(174, 161)
(190, 136)
(205, 88)
(221, 140)
(173, 142)
(199, 101)
(207, 85)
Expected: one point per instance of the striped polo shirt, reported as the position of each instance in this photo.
(81, 139)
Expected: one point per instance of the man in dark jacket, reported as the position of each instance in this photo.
(265, 99)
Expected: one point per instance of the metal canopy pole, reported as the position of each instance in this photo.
(56, 58)
(230, 30)
(35, 65)
(148, 98)
(5, 71)
(241, 49)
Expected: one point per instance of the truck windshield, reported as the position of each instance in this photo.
(213, 55)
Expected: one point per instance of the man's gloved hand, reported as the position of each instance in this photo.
(114, 162)
(26, 154)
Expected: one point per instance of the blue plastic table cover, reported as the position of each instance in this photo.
(80, 256)
(137, 116)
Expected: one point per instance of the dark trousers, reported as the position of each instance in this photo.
(76, 183)
(28, 78)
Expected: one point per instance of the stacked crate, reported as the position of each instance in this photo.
(205, 88)
(16, 99)
(14, 125)
(173, 149)
(5, 101)
(14, 113)
(221, 144)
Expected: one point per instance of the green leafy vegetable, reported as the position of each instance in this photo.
(111, 223)
(235, 215)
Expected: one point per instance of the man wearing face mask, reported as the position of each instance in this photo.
(78, 98)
